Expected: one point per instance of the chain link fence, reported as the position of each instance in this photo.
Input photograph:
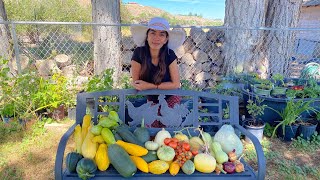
(68, 48)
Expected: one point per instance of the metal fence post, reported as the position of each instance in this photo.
(16, 47)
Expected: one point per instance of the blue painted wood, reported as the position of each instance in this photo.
(120, 97)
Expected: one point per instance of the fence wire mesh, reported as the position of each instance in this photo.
(207, 55)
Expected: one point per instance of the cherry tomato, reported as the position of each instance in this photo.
(166, 141)
(186, 146)
(194, 152)
(173, 145)
(175, 140)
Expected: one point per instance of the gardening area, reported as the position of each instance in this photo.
(249, 104)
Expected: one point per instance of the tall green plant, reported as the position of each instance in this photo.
(292, 112)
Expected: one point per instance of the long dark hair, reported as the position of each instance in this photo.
(146, 66)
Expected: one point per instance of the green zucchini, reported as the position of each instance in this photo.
(127, 135)
(121, 160)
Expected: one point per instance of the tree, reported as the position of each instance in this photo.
(246, 49)
(4, 33)
(241, 44)
(107, 37)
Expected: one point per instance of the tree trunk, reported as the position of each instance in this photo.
(280, 43)
(242, 46)
(107, 38)
(4, 33)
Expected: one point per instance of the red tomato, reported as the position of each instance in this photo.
(173, 144)
(166, 141)
(186, 146)
(194, 152)
(175, 140)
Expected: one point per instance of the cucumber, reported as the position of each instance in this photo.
(121, 160)
(127, 135)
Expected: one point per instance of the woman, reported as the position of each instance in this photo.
(154, 63)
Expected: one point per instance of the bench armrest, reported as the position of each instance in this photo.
(260, 154)
(58, 169)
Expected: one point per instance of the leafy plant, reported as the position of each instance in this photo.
(278, 79)
(255, 108)
(101, 82)
(291, 113)
(307, 145)
(268, 129)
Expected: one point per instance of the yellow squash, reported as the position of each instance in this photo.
(141, 164)
(158, 167)
(85, 124)
(98, 139)
(78, 138)
(89, 148)
(102, 158)
(132, 149)
(174, 168)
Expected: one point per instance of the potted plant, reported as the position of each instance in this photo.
(290, 115)
(279, 88)
(254, 125)
(263, 88)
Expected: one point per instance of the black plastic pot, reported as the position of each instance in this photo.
(307, 130)
(278, 104)
(290, 132)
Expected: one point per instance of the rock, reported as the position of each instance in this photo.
(69, 71)
(47, 67)
(185, 71)
(188, 59)
(202, 77)
(127, 43)
(126, 57)
(62, 60)
(197, 35)
(215, 34)
(179, 51)
(205, 45)
(200, 56)
(214, 53)
(189, 45)
(24, 62)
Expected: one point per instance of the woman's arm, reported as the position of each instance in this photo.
(143, 85)
(136, 83)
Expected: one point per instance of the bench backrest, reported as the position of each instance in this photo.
(203, 108)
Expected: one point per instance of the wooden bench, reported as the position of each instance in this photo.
(118, 98)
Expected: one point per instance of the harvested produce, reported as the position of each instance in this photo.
(150, 145)
(161, 135)
(71, 161)
(121, 161)
(101, 158)
(188, 167)
(229, 167)
(158, 167)
(142, 133)
(132, 149)
(166, 153)
(204, 163)
(86, 168)
(141, 164)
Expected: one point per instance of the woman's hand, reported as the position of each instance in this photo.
(143, 85)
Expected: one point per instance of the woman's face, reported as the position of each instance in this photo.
(157, 38)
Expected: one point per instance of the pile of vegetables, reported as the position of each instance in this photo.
(110, 142)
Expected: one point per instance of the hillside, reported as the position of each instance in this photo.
(137, 13)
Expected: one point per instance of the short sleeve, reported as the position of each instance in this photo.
(172, 56)
(136, 55)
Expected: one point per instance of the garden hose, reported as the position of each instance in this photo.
(310, 70)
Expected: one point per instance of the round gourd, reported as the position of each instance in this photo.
(204, 163)
(166, 153)
(86, 168)
(72, 160)
(142, 133)
(161, 135)
(188, 167)
(152, 146)
(158, 167)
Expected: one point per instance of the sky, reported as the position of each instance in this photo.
(211, 9)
